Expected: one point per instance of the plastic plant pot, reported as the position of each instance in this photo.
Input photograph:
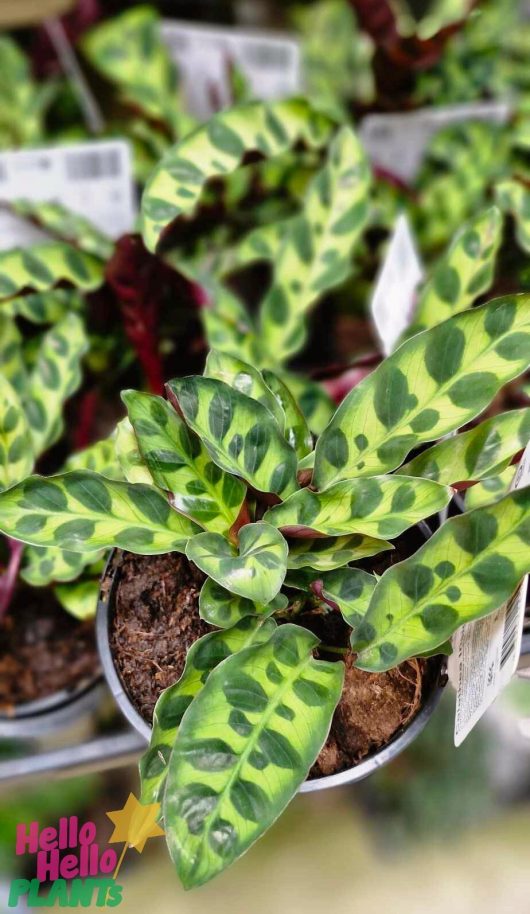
(54, 712)
(368, 766)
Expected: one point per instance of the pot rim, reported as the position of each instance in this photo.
(53, 712)
(401, 740)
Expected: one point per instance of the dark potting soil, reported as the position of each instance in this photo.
(43, 650)
(157, 619)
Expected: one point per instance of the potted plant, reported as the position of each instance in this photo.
(230, 480)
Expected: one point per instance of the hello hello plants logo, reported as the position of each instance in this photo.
(72, 868)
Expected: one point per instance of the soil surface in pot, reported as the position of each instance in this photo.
(156, 620)
(43, 650)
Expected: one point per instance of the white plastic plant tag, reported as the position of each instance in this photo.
(486, 653)
(93, 179)
(394, 297)
(397, 142)
(203, 54)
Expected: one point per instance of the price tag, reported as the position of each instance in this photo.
(486, 653)
(271, 63)
(93, 179)
(397, 142)
(394, 297)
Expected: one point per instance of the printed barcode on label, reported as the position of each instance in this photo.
(105, 163)
(511, 629)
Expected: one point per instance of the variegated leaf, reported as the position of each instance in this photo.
(79, 599)
(350, 590)
(16, 454)
(222, 608)
(83, 512)
(464, 272)
(482, 451)
(240, 434)
(244, 747)
(128, 455)
(255, 570)
(491, 489)
(316, 405)
(469, 568)
(381, 506)
(514, 198)
(296, 428)
(12, 355)
(44, 565)
(43, 307)
(228, 325)
(328, 553)
(244, 378)
(433, 384)
(43, 266)
(99, 457)
(217, 149)
(180, 464)
(203, 657)
(315, 254)
(65, 225)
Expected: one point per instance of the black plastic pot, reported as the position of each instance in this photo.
(365, 768)
(53, 713)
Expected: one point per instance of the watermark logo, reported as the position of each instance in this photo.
(72, 867)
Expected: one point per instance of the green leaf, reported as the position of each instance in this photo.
(222, 608)
(489, 490)
(43, 307)
(217, 149)
(514, 198)
(244, 747)
(45, 565)
(463, 273)
(315, 254)
(128, 454)
(381, 506)
(99, 457)
(314, 402)
(16, 454)
(79, 599)
(349, 590)
(66, 226)
(228, 325)
(240, 434)
(83, 512)
(11, 354)
(203, 657)
(468, 569)
(180, 464)
(256, 570)
(55, 377)
(333, 552)
(433, 384)
(482, 451)
(296, 429)
(244, 378)
(43, 266)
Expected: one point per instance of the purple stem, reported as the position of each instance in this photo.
(8, 579)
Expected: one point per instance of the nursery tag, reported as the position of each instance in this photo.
(93, 179)
(397, 142)
(486, 652)
(203, 54)
(395, 292)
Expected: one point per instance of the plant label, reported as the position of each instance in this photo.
(397, 143)
(486, 652)
(394, 297)
(93, 179)
(270, 63)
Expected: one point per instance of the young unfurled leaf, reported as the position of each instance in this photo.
(44, 266)
(256, 570)
(244, 747)
(128, 455)
(43, 307)
(296, 428)
(333, 552)
(228, 325)
(350, 590)
(82, 511)
(217, 149)
(244, 378)
(222, 608)
(180, 464)
(381, 506)
(80, 599)
(315, 254)
(514, 198)
(469, 568)
(482, 451)
(16, 454)
(491, 489)
(44, 565)
(207, 653)
(65, 225)
(463, 273)
(240, 434)
(433, 384)
(55, 377)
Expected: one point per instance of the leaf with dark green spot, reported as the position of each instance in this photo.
(468, 569)
(315, 404)
(79, 599)
(256, 570)
(514, 198)
(65, 225)
(12, 355)
(433, 384)
(482, 451)
(239, 757)
(296, 429)
(16, 454)
(44, 266)
(83, 512)
(491, 489)
(240, 434)
(350, 590)
(381, 506)
(44, 307)
(244, 378)
(333, 552)
(128, 454)
(46, 565)
(223, 608)
(180, 464)
(203, 657)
